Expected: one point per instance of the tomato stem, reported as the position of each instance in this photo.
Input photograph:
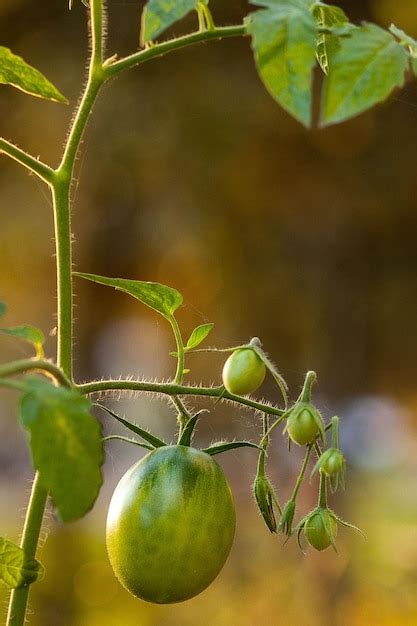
(323, 491)
(301, 475)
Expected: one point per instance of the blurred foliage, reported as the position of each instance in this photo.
(192, 176)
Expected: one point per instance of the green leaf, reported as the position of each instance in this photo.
(160, 14)
(364, 71)
(198, 335)
(154, 441)
(284, 44)
(16, 568)
(16, 72)
(224, 446)
(409, 42)
(66, 445)
(27, 333)
(158, 297)
(328, 16)
(3, 309)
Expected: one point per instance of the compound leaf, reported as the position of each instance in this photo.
(16, 568)
(364, 70)
(66, 445)
(16, 72)
(284, 43)
(158, 297)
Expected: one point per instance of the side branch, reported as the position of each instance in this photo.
(42, 365)
(113, 68)
(171, 389)
(42, 170)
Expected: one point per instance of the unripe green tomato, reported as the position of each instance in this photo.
(170, 525)
(333, 463)
(243, 372)
(302, 427)
(315, 531)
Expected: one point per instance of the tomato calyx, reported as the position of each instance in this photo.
(320, 528)
(304, 421)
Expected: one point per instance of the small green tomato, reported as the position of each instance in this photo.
(243, 372)
(302, 426)
(333, 462)
(320, 529)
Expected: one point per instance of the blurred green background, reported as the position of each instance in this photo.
(192, 176)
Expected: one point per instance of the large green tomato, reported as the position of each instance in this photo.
(243, 372)
(170, 524)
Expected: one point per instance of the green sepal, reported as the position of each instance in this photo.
(287, 518)
(147, 446)
(224, 446)
(3, 308)
(337, 477)
(187, 433)
(154, 441)
(266, 500)
(17, 569)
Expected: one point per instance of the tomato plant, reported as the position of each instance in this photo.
(171, 520)
(170, 525)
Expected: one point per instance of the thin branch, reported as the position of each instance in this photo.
(113, 68)
(171, 389)
(42, 365)
(42, 170)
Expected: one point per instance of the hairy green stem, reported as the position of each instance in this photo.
(172, 389)
(301, 475)
(35, 166)
(61, 186)
(323, 491)
(30, 536)
(42, 365)
(115, 67)
(179, 374)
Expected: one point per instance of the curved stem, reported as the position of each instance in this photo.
(171, 389)
(179, 375)
(42, 365)
(113, 68)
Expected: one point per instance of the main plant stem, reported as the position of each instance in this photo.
(60, 184)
